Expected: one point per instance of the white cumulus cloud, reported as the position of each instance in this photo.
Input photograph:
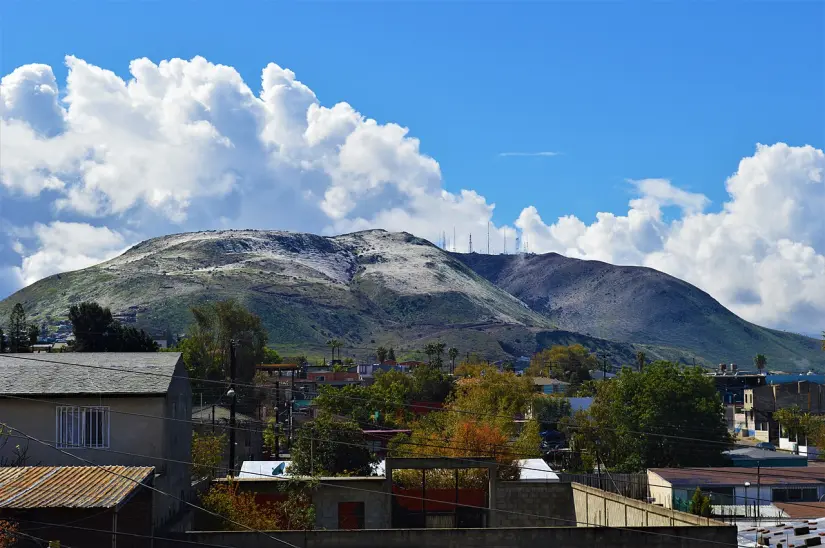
(92, 166)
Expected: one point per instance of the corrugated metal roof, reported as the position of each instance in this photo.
(69, 486)
(737, 476)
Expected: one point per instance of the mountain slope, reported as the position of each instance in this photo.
(366, 288)
(640, 305)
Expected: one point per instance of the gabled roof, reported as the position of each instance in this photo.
(87, 373)
(70, 486)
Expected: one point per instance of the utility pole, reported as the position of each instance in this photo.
(758, 489)
(277, 423)
(234, 397)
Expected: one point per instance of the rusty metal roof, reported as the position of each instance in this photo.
(70, 486)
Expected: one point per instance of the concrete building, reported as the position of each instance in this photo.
(761, 402)
(127, 409)
(367, 513)
(111, 500)
(673, 487)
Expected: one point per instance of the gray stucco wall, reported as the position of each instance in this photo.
(521, 504)
(377, 504)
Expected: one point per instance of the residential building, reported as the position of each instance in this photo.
(333, 378)
(761, 402)
(112, 505)
(106, 408)
(546, 385)
(673, 487)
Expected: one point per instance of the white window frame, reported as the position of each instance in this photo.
(71, 422)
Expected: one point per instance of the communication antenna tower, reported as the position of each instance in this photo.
(488, 237)
(471, 243)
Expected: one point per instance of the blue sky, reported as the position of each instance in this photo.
(653, 109)
(622, 90)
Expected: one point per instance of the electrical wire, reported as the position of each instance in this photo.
(152, 488)
(413, 497)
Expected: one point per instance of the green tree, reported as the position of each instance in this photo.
(664, 416)
(550, 410)
(641, 359)
(18, 330)
(2, 341)
(434, 352)
(271, 356)
(381, 354)
(206, 350)
(391, 354)
(700, 504)
(207, 454)
(325, 447)
(453, 354)
(760, 361)
(33, 334)
(567, 363)
(95, 330)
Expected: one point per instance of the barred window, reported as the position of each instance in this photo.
(82, 427)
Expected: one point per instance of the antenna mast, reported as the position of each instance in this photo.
(455, 242)
(504, 233)
(471, 243)
(488, 237)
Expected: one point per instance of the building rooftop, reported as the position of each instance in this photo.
(545, 381)
(780, 475)
(204, 415)
(755, 453)
(87, 373)
(70, 486)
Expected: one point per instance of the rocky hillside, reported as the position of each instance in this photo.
(640, 305)
(374, 287)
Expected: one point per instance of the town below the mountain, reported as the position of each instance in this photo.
(110, 435)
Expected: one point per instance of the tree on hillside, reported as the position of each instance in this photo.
(641, 359)
(206, 349)
(325, 447)
(381, 354)
(567, 363)
(434, 352)
(95, 330)
(453, 354)
(33, 334)
(18, 330)
(2, 341)
(760, 361)
(664, 416)
(391, 355)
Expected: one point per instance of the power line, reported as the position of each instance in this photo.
(501, 510)
(152, 488)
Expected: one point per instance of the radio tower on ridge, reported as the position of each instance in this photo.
(471, 243)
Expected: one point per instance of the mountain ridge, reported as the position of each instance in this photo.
(376, 287)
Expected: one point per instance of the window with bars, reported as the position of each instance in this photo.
(82, 427)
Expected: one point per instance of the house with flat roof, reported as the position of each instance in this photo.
(104, 408)
(673, 487)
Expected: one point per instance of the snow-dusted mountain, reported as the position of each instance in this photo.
(375, 287)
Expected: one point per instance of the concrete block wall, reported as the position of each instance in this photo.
(520, 504)
(602, 509)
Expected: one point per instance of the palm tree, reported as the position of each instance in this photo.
(760, 361)
(335, 343)
(640, 360)
(381, 354)
(453, 354)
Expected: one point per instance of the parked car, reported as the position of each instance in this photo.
(766, 446)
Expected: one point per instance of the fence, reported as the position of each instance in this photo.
(632, 486)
